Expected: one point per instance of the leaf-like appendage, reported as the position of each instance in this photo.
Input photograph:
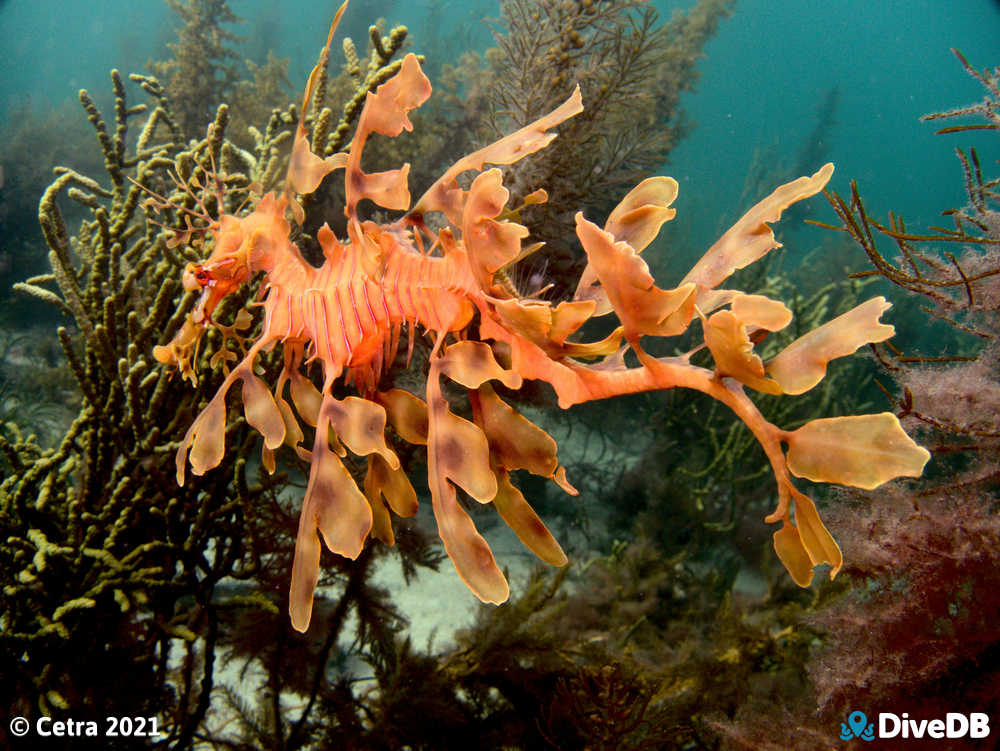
(206, 438)
(863, 451)
(640, 214)
(636, 220)
(334, 506)
(306, 170)
(751, 238)
(391, 483)
(521, 518)
(491, 244)
(457, 451)
(792, 554)
(802, 364)
(407, 414)
(293, 431)
(305, 397)
(334, 503)
(807, 543)
(360, 424)
(515, 442)
(548, 327)
(472, 364)
(531, 319)
(445, 195)
(260, 408)
(467, 549)
(817, 540)
(182, 348)
(642, 307)
(305, 574)
(761, 312)
(388, 189)
(732, 350)
(387, 110)
(567, 317)
(381, 522)
(462, 455)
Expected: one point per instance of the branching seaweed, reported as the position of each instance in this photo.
(631, 69)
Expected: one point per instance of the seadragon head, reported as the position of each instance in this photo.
(242, 247)
(245, 245)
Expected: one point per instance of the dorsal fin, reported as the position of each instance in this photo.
(333, 251)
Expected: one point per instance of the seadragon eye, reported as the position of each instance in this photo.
(195, 277)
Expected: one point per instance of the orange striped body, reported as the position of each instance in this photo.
(352, 319)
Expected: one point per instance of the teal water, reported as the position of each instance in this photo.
(765, 74)
(770, 65)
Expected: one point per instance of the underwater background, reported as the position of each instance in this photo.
(675, 627)
(762, 82)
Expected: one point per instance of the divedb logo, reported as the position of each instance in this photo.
(973, 725)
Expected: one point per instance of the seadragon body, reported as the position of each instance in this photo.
(347, 315)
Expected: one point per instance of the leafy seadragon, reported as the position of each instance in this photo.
(348, 314)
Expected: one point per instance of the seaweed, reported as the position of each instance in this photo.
(203, 72)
